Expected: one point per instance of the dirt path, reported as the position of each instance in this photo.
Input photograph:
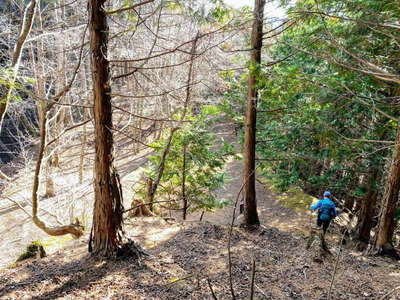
(270, 209)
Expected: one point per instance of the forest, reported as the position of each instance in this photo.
(199, 149)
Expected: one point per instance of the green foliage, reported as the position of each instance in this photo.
(397, 214)
(34, 250)
(205, 161)
(316, 141)
(7, 82)
(321, 112)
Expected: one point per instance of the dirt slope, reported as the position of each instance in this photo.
(184, 255)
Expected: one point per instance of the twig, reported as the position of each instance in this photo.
(253, 276)
(146, 203)
(19, 205)
(128, 8)
(180, 279)
(389, 293)
(256, 286)
(211, 289)
(338, 258)
(229, 243)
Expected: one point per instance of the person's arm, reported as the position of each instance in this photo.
(316, 206)
(335, 211)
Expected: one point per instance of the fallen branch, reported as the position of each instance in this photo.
(19, 205)
(211, 289)
(389, 293)
(253, 276)
(338, 255)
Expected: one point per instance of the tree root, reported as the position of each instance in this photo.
(384, 250)
(131, 249)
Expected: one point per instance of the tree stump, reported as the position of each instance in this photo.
(140, 209)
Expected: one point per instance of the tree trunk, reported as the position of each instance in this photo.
(149, 184)
(85, 115)
(155, 183)
(184, 199)
(250, 214)
(107, 225)
(74, 229)
(367, 209)
(386, 224)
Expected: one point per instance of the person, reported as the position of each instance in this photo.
(326, 211)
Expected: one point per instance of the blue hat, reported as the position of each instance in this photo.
(327, 194)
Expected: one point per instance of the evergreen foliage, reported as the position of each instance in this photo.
(325, 123)
(204, 162)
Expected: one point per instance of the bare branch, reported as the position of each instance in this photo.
(128, 8)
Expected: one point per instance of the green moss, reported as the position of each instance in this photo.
(293, 198)
(34, 250)
(12, 265)
(56, 241)
(296, 199)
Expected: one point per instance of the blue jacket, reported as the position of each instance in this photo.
(326, 202)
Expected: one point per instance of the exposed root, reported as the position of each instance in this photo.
(131, 249)
(385, 250)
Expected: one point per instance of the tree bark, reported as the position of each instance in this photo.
(367, 210)
(250, 213)
(184, 199)
(386, 223)
(107, 231)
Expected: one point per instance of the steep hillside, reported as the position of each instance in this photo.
(185, 258)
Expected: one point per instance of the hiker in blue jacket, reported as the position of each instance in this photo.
(326, 211)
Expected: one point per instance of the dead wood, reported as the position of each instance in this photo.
(140, 209)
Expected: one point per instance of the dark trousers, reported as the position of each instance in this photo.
(324, 224)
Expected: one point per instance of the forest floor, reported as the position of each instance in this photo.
(185, 256)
